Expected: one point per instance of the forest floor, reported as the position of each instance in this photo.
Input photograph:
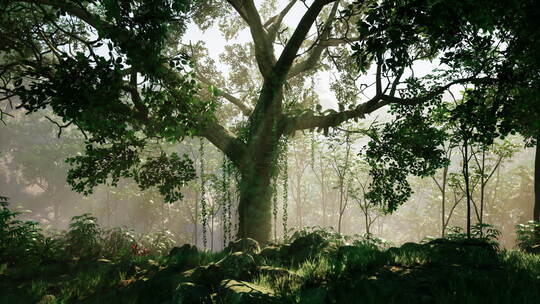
(312, 268)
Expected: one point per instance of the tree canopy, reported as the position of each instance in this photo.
(120, 72)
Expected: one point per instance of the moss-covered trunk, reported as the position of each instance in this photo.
(258, 166)
(255, 214)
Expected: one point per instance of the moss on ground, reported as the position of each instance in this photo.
(312, 268)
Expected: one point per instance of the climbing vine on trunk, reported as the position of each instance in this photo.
(226, 200)
(204, 212)
(275, 204)
(282, 165)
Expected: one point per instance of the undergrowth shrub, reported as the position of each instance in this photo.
(19, 240)
(84, 238)
(482, 231)
(326, 233)
(24, 242)
(528, 237)
(336, 238)
(159, 242)
(118, 243)
(368, 240)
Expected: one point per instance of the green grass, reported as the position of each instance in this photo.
(413, 273)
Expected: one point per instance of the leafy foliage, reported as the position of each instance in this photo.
(84, 237)
(158, 243)
(479, 231)
(19, 240)
(101, 95)
(411, 144)
(473, 38)
(167, 173)
(117, 242)
(528, 236)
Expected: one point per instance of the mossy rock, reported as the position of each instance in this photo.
(158, 288)
(190, 293)
(238, 265)
(209, 275)
(245, 245)
(307, 247)
(269, 254)
(409, 246)
(184, 257)
(472, 252)
(240, 292)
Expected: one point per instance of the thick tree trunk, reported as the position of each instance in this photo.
(258, 165)
(255, 207)
(536, 210)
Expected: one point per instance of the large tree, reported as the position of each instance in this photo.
(116, 70)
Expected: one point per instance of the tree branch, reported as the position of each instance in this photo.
(264, 49)
(273, 24)
(315, 54)
(434, 93)
(76, 11)
(310, 121)
(234, 148)
(285, 61)
(338, 41)
(234, 100)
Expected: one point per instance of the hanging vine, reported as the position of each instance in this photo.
(232, 179)
(314, 101)
(226, 200)
(283, 165)
(274, 204)
(312, 160)
(204, 212)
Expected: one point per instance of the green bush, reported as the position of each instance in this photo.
(84, 238)
(159, 243)
(482, 232)
(326, 233)
(19, 240)
(528, 237)
(371, 241)
(118, 243)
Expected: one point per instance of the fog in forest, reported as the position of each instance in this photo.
(323, 177)
(33, 175)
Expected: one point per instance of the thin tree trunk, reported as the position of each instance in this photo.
(212, 232)
(367, 220)
(443, 201)
(467, 190)
(323, 198)
(195, 232)
(483, 183)
(342, 204)
(536, 210)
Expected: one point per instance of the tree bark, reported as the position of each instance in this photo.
(255, 207)
(258, 165)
